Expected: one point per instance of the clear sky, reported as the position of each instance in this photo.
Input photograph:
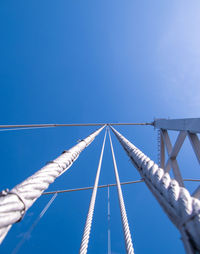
(94, 61)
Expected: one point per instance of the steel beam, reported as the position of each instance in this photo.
(187, 124)
(162, 151)
(175, 150)
(172, 162)
(179, 142)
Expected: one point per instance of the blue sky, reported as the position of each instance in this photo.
(95, 61)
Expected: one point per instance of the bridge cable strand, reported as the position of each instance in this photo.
(66, 125)
(24, 128)
(109, 238)
(91, 187)
(88, 224)
(127, 234)
(34, 224)
(179, 205)
(105, 186)
(14, 203)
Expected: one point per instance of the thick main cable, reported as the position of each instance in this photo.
(14, 203)
(28, 233)
(88, 224)
(179, 205)
(127, 233)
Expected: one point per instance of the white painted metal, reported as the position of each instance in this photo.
(127, 233)
(187, 127)
(167, 141)
(172, 160)
(14, 203)
(187, 124)
(179, 205)
(159, 146)
(162, 150)
(176, 149)
(88, 224)
(178, 144)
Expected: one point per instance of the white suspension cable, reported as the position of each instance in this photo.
(14, 203)
(23, 128)
(109, 238)
(28, 233)
(180, 206)
(127, 234)
(68, 125)
(88, 224)
(91, 187)
(105, 186)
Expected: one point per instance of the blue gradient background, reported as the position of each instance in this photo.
(95, 61)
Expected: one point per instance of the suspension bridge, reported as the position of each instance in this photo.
(163, 179)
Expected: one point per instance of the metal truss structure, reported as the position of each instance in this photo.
(185, 128)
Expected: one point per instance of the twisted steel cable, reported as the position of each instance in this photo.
(180, 206)
(88, 224)
(14, 203)
(127, 234)
(109, 238)
(21, 126)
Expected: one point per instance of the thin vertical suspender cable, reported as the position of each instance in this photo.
(28, 233)
(127, 234)
(88, 224)
(109, 239)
